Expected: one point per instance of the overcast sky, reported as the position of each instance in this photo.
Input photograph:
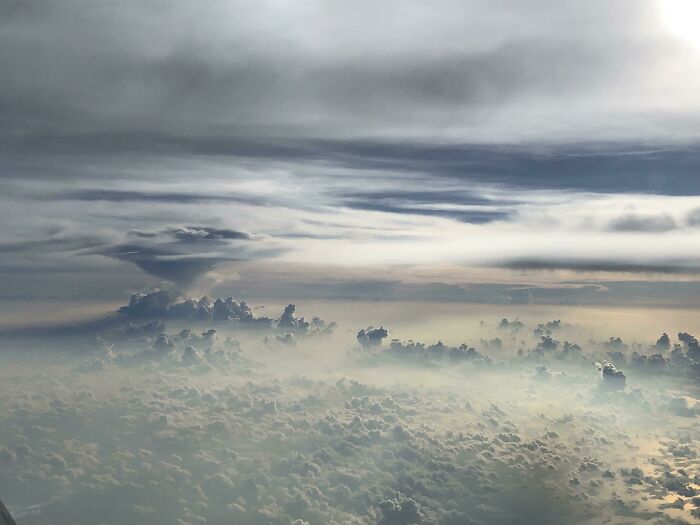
(546, 142)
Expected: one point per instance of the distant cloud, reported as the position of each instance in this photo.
(459, 205)
(182, 254)
(392, 149)
(602, 265)
(172, 197)
(165, 304)
(694, 217)
(643, 223)
(164, 264)
(371, 337)
(201, 233)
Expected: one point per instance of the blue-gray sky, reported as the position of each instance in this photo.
(523, 143)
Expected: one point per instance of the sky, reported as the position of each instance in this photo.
(350, 263)
(537, 144)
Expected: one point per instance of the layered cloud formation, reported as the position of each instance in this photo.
(172, 417)
(531, 137)
(452, 70)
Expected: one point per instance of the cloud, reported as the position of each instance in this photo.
(182, 254)
(148, 305)
(437, 352)
(401, 510)
(488, 75)
(608, 167)
(679, 406)
(602, 265)
(371, 337)
(288, 321)
(317, 434)
(693, 217)
(201, 233)
(165, 264)
(165, 304)
(643, 223)
(462, 206)
(337, 131)
(149, 196)
(611, 377)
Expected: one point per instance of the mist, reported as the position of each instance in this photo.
(177, 410)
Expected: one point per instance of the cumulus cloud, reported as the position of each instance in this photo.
(437, 352)
(356, 437)
(152, 304)
(288, 321)
(611, 377)
(401, 510)
(664, 342)
(371, 337)
(165, 304)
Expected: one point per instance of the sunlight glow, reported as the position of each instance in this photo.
(683, 18)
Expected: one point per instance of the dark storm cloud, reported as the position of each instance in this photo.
(179, 254)
(163, 263)
(182, 254)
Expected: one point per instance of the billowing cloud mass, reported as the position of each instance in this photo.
(174, 413)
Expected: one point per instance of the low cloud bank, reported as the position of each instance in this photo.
(182, 414)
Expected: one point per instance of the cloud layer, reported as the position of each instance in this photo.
(150, 422)
(536, 137)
